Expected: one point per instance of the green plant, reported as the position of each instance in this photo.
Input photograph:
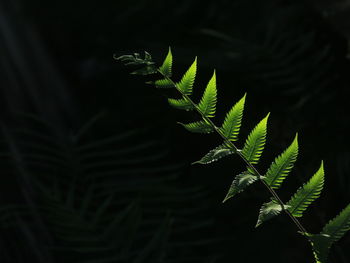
(250, 154)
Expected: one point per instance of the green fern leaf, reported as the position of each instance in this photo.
(240, 182)
(186, 83)
(233, 119)
(268, 211)
(164, 84)
(181, 104)
(255, 142)
(214, 155)
(166, 68)
(207, 105)
(198, 127)
(338, 226)
(306, 194)
(332, 232)
(282, 165)
(321, 245)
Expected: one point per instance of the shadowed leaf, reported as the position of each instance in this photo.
(239, 184)
(198, 127)
(215, 154)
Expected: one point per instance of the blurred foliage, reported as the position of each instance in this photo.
(107, 199)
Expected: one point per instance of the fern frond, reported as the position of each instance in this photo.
(331, 232)
(166, 67)
(164, 84)
(282, 165)
(233, 119)
(306, 194)
(240, 182)
(181, 104)
(214, 155)
(268, 211)
(255, 142)
(136, 60)
(198, 127)
(207, 105)
(338, 226)
(186, 83)
(251, 153)
(320, 246)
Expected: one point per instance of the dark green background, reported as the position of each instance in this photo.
(289, 56)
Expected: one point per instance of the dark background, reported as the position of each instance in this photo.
(94, 167)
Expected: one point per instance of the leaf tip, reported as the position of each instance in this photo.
(228, 196)
(225, 199)
(321, 166)
(213, 78)
(295, 141)
(194, 64)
